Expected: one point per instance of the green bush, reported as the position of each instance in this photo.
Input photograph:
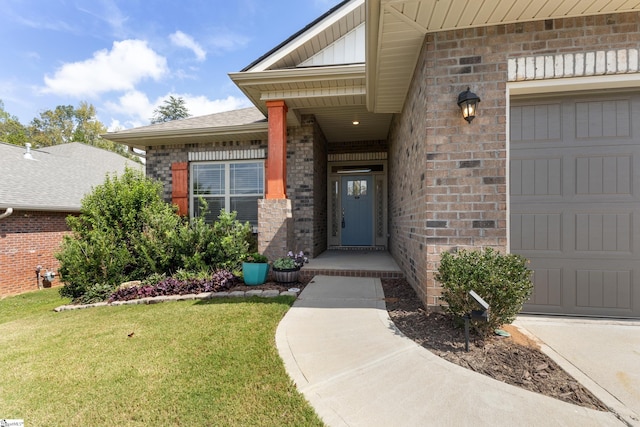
(125, 231)
(503, 281)
(223, 245)
(109, 243)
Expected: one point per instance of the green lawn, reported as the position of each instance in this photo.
(190, 363)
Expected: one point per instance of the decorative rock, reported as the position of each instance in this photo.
(288, 294)
(220, 295)
(255, 293)
(271, 293)
(204, 295)
(187, 297)
(120, 303)
(130, 284)
(237, 294)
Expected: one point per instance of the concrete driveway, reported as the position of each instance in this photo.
(602, 354)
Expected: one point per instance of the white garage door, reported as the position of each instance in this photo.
(575, 201)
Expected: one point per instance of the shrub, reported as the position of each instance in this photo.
(109, 243)
(125, 231)
(503, 281)
(222, 245)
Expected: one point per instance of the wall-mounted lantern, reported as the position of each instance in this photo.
(468, 103)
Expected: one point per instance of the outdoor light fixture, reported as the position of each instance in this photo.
(468, 103)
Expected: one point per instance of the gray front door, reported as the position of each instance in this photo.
(357, 211)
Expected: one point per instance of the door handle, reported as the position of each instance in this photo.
(343, 222)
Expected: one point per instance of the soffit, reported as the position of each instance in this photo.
(336, 95)
(396, 30)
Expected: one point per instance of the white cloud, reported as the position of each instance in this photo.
(138, 109)
(135, 105)
(181, 39)
(201, 105)
(120, 69)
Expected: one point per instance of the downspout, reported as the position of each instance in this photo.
(6, 213)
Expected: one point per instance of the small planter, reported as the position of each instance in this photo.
(286, 276)
(255, 273)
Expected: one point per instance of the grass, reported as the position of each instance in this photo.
(187, 363)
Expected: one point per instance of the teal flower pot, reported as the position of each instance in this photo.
(255, 273)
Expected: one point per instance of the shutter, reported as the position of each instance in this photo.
(180, 187)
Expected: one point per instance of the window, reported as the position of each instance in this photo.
(233, 186)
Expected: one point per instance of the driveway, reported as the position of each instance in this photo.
(602, 354)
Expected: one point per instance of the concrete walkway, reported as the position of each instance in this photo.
(355, 368)
(602, 354)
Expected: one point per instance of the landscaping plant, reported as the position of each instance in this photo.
(503, 281)
(125, 232)
(103, 249)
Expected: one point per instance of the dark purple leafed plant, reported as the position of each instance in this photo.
(221, 280)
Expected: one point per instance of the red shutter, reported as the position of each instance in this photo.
(180, 186)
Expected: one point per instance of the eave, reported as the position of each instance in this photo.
(143, 139)
(396, 31)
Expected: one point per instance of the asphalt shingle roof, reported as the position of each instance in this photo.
(57, 178)
(243, 116)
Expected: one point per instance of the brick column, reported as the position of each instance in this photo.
(277, 153)
(275, 227)
(275, 221)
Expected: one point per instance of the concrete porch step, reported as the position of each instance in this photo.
(352, 263)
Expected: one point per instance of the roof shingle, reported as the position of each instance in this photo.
(57, 177)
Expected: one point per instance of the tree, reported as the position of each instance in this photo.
(11, 130)
(173, 109)
(67, 124)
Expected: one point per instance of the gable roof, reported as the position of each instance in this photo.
(57, 177)
(322, 32)
(249, 123)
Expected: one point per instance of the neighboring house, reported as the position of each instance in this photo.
(365, 145)
(39, 188)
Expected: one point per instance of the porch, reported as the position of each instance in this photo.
(353, 263)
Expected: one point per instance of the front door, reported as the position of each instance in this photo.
(357, 210)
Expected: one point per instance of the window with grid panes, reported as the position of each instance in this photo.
(233, 186)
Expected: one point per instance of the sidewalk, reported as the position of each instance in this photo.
(345, 355)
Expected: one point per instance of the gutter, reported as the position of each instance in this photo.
(6, 213)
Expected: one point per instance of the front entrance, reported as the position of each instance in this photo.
(357, 211)
(357, 201)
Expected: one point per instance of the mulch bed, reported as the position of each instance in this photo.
(516, 360)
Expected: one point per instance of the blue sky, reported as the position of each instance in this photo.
(126, 56)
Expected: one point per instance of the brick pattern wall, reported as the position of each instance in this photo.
(320, 230)
(276, 229)
(29, 239)
(307, 186)
(447, 178)
(306, 181)
(160, 158)
(371, 146)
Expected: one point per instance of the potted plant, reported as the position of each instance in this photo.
(255, 268)
(286, 269)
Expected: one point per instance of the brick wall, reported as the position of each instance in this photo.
(29, 239)
(320, 231)
(160, 158)
(307, 185)
(306, 179)
(447, 178)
